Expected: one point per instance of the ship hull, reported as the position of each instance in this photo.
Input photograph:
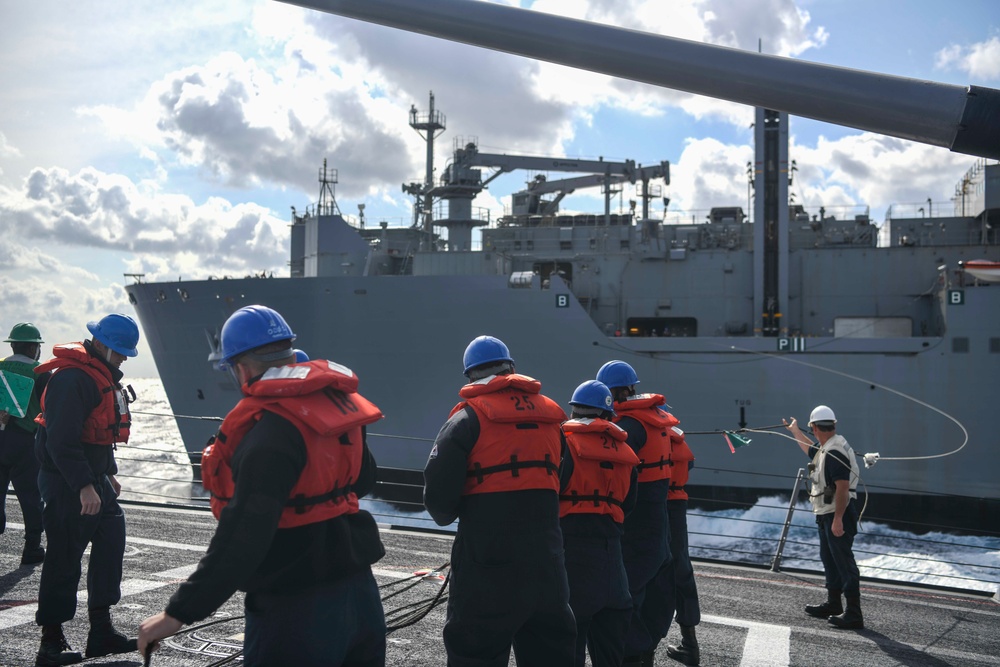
(404, 337)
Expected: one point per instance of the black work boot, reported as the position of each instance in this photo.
(103, 639)
(55, 650)
(33, 552)
(687, 652)
(850, 619)
(632, 661)
(831, 607)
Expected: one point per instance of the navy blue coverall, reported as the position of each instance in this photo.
(645, 544)
(68, 465)
(598, 584)
(508, 575)
(19, 467)
(674, 589)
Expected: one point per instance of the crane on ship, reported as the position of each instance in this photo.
(463, 180)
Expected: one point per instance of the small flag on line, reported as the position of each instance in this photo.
(734, 441)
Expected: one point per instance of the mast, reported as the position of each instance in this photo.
(770, 233)
(428, 127)
(327, 204)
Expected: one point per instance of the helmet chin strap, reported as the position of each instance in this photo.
(107, 350)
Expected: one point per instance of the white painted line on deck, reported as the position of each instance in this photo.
(766, 645)
(182, 572)
(166, 545)
(145, 541)
(25, 613)
(391, 574)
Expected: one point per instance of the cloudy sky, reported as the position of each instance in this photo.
(171, 139)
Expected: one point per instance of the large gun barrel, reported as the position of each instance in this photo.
(965, 119)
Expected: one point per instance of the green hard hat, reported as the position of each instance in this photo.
(24, 332)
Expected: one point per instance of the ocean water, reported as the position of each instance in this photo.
(154, 467)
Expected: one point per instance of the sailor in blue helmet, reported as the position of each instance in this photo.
(645, 544)
(285, 473)
(495, 467)
(84, 416)
(598, 492)
(18, 464)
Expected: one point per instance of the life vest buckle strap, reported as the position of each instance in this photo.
(301, 503)
(514, 467)
(654, 464)
(596, 498)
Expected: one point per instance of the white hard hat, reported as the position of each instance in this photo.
(821, 413)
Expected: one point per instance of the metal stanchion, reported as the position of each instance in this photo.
(776, 562)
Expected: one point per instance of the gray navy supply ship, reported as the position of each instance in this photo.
(737, 323)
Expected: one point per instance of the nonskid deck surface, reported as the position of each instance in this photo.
(750, 616)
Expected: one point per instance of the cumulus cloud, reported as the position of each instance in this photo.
(340, 89)
(6, 150)
(92, 209)
(709, 173)
(846, 176)
(877, 171)
(980, 60)
(58, 296)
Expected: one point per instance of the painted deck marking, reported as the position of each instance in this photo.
(766, 645)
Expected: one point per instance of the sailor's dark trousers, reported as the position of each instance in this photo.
(336, 624)
(509, 587)
(68, 533)
(599, 597)
(18, 466)
(839, 565)
(646, 550)
(674, 589)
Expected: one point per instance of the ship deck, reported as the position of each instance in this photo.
(751, 616)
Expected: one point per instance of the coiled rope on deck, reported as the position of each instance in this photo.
(395, 619)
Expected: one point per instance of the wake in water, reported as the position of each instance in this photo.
(153, 466)
(752, 535)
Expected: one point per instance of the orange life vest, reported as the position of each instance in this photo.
(110, 421)
(683, 459)
(320, 398)
(519, 441)
(602, 468)
(654, 458)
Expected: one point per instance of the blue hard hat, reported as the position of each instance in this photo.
(617, 374)
(300, 356)
(484, 350)
(118, 332)
(251, 327)
(593, 394)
